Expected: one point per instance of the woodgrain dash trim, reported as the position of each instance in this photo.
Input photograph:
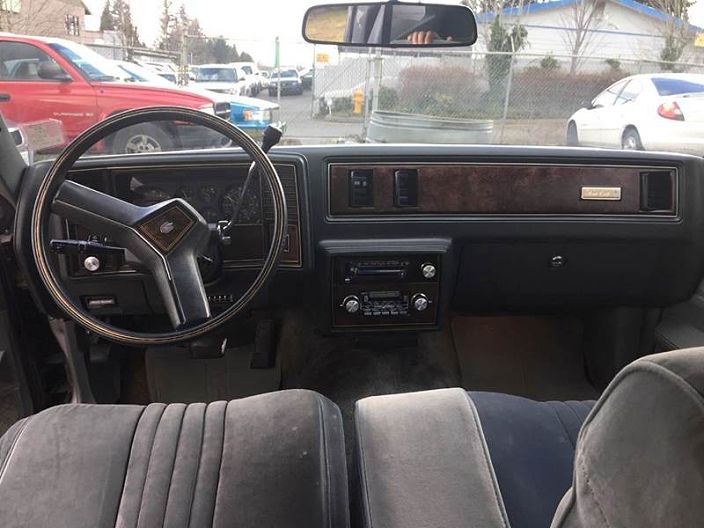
(496, 189)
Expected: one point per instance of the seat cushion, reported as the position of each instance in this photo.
(532, 446)
(271, 460)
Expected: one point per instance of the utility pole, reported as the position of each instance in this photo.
(277, 65)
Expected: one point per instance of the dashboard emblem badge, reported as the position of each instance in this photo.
(166, 228)
(601, 193)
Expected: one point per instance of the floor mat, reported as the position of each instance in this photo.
(536, 357)
(346, 369)
(174, 376)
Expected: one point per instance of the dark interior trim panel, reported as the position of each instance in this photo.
(519, 235)
(466, 188)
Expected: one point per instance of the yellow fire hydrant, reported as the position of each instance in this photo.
(357, 101)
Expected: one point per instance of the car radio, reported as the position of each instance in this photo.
(385, 291)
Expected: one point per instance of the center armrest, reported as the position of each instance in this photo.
(422, 460)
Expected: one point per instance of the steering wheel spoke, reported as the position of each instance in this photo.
(88, 207)
(182, 291)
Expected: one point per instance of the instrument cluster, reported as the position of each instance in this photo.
(215, 200)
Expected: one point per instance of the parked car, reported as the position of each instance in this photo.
(265, 79)
(290, 82)
(43, 78)
(307, 80)
(661, 111)
(254, 115)
(169, 76)
(251, 114)
(134, 72)
(221, 78)
(253, 76)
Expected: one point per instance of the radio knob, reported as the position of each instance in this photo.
(428, 270)
(420, 302)
(351, 304)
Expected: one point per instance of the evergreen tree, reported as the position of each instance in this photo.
(107, 21)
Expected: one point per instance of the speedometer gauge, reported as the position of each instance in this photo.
(186, 193)
(147, 195)
(208, 193)
(249, 209)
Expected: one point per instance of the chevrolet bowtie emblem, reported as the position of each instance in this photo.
(166, 228)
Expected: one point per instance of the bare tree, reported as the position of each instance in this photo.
(578, 35)
(32, 17)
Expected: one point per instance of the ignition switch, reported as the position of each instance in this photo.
(558, 261)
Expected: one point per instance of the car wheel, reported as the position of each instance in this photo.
(572, 139)
(140, 139)
(631, 140)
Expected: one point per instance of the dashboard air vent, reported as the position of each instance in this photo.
(657, 191)
(288, 180)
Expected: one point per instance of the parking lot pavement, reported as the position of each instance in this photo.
(301, 126)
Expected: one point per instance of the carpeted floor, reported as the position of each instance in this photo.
(347, 369)
(536, 357)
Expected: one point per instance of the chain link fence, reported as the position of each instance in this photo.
(526, 98)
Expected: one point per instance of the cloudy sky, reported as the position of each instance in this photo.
(253, 24)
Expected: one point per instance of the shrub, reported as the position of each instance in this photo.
(614, 64)
(388, 98)
(549, 63)
(437, 90)
(342, 105)
(537, 93)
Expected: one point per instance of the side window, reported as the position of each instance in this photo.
(608, 96)
(24, 62)
(630, 92)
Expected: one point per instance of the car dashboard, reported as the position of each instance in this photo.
(394, 237)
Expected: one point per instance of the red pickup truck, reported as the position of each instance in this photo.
(46, 78)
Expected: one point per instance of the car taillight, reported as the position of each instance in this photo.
(671, 110)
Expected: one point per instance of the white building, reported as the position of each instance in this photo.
(620, 29)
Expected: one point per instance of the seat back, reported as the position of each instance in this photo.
(640, 454)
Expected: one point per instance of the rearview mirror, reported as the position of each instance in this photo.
(390, 25)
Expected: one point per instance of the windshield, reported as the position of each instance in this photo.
(216, 75)
(669, 86)
(285, 73)
(583, 73)
(90, 63)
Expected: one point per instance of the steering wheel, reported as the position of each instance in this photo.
(167, 237)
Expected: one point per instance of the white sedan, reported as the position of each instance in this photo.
(662, 111)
